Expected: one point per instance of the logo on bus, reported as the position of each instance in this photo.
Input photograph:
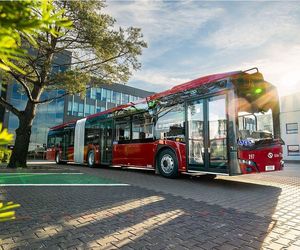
(270, 155)
(245, 142)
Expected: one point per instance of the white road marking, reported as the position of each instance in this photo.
(50, 185)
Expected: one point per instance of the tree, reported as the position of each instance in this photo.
(24, 19)
(99, 50)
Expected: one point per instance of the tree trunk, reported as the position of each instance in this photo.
(23, 132)
(19, 154)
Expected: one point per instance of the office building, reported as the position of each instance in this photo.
(67, 108)
(290, 122)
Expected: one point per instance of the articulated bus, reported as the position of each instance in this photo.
(221, 124)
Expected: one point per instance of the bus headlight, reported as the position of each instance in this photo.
(250, 165)
(247, 162)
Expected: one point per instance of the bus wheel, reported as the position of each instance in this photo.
(91, 159)
(57, 158)
(167, 163)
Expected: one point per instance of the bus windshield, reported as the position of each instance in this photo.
(255, 126)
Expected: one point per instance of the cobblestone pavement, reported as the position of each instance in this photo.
(244, 212)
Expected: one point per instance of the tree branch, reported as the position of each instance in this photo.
(51, 99)
(9, 107)
(105, 61)
(26, 88)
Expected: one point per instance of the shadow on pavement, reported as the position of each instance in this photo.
(133, 217)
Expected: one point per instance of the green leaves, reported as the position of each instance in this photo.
(108, 52)
(5, 137)
(7, 211)
(26, 20)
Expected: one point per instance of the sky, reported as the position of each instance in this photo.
(190, 39)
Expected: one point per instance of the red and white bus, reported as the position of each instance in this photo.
(225, 124)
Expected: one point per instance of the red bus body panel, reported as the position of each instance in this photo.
(144, 154)
(268, 156)
(50, 154)
(134, 154)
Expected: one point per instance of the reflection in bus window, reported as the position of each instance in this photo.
(218, 131)
(170, 124)
(51, 141)
(255, 125)
(123, 130)
(92, 132)
(142, 127)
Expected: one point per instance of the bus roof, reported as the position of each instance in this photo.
(178, 88)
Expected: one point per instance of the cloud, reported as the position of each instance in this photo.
(159, 81)
(279, 63)
(189, 39)
(164, 24)
(251, 25)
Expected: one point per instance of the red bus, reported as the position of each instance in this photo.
(225, 124)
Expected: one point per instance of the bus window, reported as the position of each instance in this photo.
(58, 139)
(142, 127)
(92, 132)
(51, 141)
(72, 138)
(170, 123)
(123, 130)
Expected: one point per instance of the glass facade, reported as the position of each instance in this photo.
(48, 115)
(98, 100)
(64, 109)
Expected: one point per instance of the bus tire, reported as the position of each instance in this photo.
(57, 158)
(91, 159)
(167, 163)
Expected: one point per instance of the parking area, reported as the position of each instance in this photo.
(152, 212)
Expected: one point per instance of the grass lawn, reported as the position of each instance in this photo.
(53, 179)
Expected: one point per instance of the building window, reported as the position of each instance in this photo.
(293, 150)
(114, 96)
(108, 95)
(70, 105)
(103, 96)
(125, 98)
(118, 98)
(93, 93)
(75, 108)
(80, 111)
(87, 109)
(292, 128)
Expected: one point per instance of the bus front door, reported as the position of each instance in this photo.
(207, 135)
(106, 142)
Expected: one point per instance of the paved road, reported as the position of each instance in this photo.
(244, 212)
